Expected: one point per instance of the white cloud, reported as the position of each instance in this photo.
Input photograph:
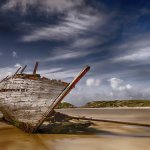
(128, 86)
(118, 85)
(67, 55)
(14, 54)
(17, 65)
(59, 73)
(86, 42)
(7, 71)
(138, 55)
(136, 49)
(115, 82)
(92, 82)
(40, 5)
(53, 73)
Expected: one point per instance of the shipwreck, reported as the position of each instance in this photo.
(26, 100)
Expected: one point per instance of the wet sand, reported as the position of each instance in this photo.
(108, 136)
(138, 115)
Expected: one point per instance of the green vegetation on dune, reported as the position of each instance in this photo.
(114, 103)
(65, 105)
(118, 103)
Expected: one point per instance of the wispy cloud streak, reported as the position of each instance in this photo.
(42, 6)
(72, 25)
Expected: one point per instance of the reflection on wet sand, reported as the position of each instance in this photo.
(13, 138)
(101, 136)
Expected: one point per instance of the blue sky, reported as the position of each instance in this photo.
(65, 35)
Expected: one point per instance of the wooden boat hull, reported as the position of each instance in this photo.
(27, 102)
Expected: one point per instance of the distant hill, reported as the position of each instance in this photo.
(118, 103)
(65, 105)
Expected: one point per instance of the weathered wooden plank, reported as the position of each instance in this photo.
(17, 102)
(61, 96)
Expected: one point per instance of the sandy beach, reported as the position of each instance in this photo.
(108, 136)
(134, 114)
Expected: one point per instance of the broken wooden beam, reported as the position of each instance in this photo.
(61, 97)
(35, 68)
(110, 121)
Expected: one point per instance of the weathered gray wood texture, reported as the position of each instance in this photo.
(62, 95)
(27, 100)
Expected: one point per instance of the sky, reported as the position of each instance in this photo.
(112, 37)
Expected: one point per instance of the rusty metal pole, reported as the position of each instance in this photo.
(35, 68)
(23, 69)
(61, 96)
(16, 71)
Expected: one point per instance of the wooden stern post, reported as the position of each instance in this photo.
(35, 68)
(61, 97)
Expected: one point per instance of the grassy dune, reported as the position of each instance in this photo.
(118, 103)
(65, 105)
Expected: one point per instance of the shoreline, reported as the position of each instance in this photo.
(107, 108)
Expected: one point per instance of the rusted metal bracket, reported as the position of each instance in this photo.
(61, 97)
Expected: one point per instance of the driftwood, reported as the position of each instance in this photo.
(110, 121)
